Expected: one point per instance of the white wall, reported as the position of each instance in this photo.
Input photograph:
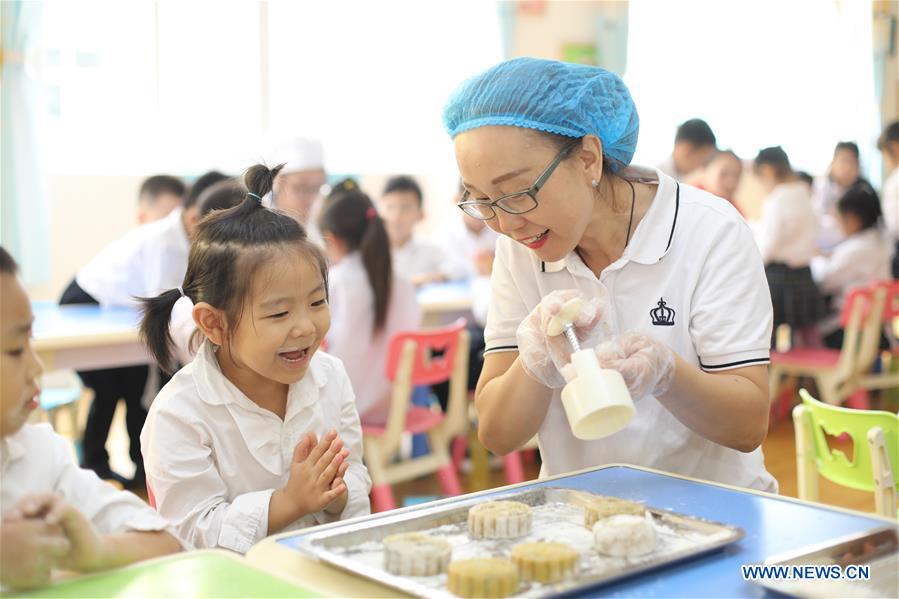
(86, 213)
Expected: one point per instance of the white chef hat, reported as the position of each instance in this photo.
(301, 154)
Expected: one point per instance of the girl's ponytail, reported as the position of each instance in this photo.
(375, 250)
(348, 214)
(154, 327)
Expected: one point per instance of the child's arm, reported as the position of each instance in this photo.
(29, 551)
(91, 551)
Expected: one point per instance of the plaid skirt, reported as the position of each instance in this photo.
(794, 296)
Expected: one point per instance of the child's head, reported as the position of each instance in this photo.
(20, 367)
(772, 167)
(191, 209)
(349, 223)
(401, 207)
(888, 144)
(226, 193)
(158, 196)
(844, 168)
(721, 175)
(694, 145)
(259, 289)
(859, 208)
(805, 178)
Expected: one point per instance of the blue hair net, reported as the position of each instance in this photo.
(568, 99)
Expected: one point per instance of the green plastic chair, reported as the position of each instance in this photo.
(876, 458)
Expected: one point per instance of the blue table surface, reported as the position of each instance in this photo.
(772, 526)
(52, 320)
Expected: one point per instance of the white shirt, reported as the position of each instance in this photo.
(143, 263)
(461, 247)
(352, 337)
(695, 253)
(789, 226)
(858, 261)
(825, 195)
(213, 457)
(889, 200)
(418, 257)
(36, 459)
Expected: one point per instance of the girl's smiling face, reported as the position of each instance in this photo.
(19, 364)
(498, 160)
(284, 320)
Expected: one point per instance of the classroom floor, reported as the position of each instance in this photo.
(779, 449)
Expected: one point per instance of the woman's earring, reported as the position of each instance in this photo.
(594, 183)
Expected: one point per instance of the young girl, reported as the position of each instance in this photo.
(845, 170)
(863, 257)
(369, 303)
(787, 244)
(55, 515)
(259, 433)
(721, 176)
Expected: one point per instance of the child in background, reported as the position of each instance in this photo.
(888, 144)
(401, 207)
(142, 263)
(721, 176)
(370, 302)
(862, 258)
(259, 433)
(787, 245)
(158, 196)
(827, 190)
(225, 194)
(54, 514)
(694, 145)
(468, 244)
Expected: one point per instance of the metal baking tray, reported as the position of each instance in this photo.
(558, 515)
(878, 549)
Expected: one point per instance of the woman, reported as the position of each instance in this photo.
(678, 290)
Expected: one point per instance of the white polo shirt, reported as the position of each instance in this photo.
(692, 278)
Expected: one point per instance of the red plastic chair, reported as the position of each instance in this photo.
(835, 371)
(886, 378)
(420, 358)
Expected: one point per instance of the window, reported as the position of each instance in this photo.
(795, 74)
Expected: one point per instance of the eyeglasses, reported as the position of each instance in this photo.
(518, 202)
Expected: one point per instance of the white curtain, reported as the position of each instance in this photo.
(24, 230)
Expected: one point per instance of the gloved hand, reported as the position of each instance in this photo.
(543, 355)
(646, 365)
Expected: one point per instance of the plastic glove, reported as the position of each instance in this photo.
(542, 355)
(646, 365)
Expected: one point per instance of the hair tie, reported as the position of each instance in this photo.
(181, 291)
(253, 195)
(370, 213)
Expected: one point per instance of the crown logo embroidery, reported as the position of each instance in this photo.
(662, 315)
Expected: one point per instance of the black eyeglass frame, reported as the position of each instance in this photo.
(472, 207)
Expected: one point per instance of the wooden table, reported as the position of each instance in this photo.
(442, 303)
